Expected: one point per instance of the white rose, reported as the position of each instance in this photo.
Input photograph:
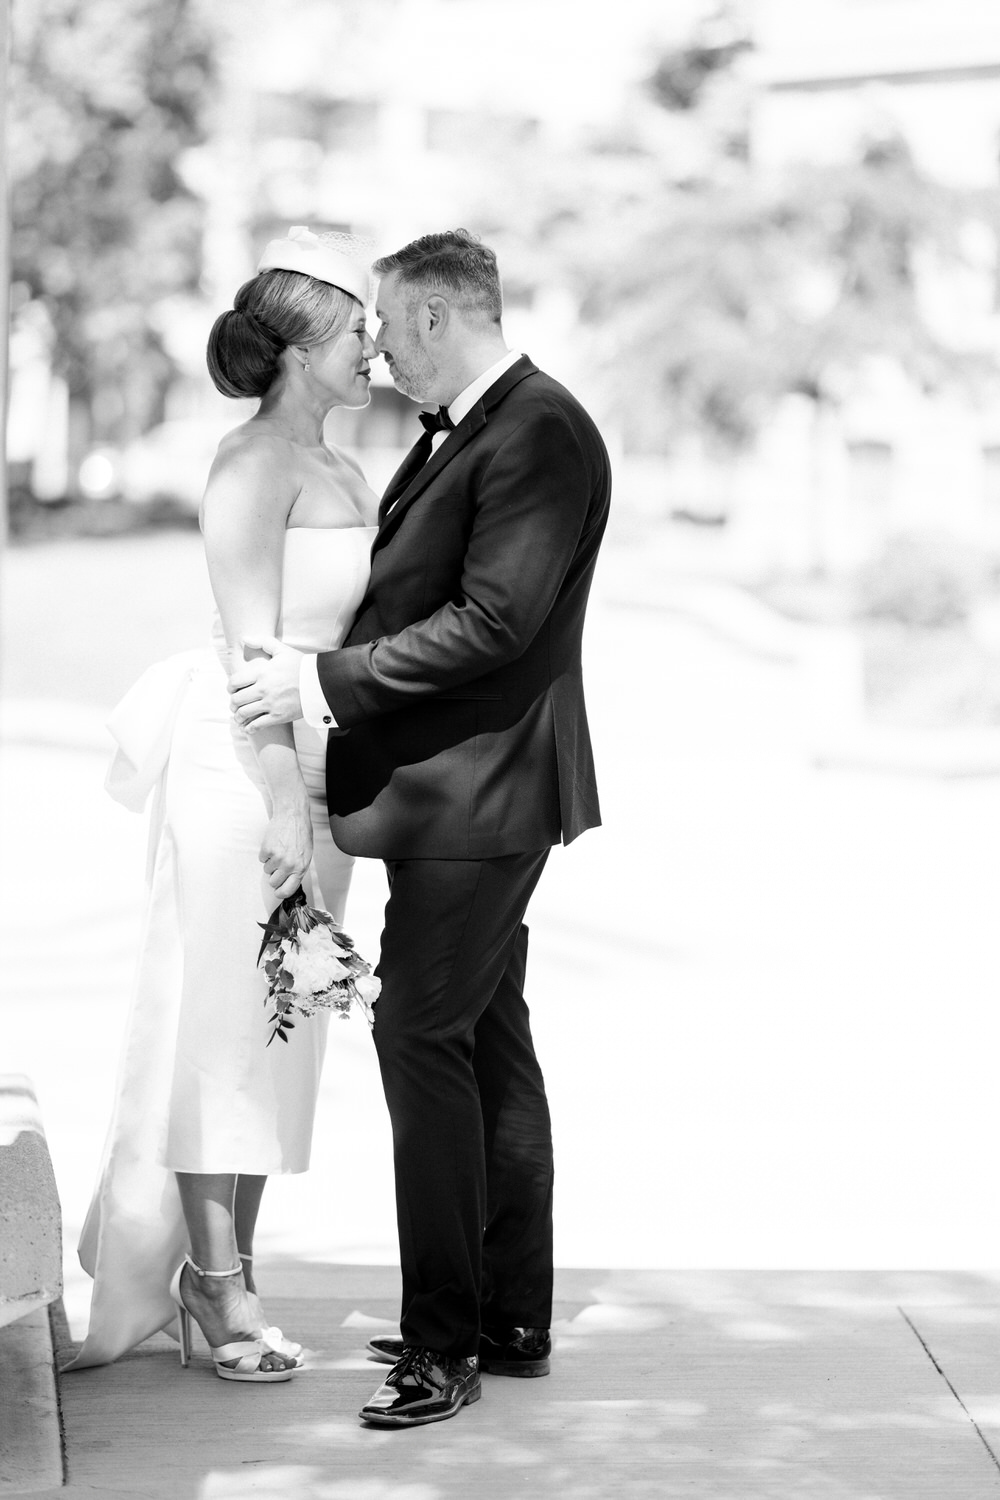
(320, 939)
(368, 987)
(313, 970)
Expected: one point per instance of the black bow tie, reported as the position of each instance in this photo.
(436, 421)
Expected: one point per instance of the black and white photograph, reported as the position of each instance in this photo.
(500, 749)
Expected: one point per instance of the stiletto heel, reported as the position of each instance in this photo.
(184, 1336)
(269, 1334)
(183, 1317)
(236, 1361)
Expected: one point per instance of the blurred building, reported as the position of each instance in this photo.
(828, 76)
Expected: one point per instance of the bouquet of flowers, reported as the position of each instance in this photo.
(311, 965)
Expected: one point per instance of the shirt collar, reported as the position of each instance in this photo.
(466, 400)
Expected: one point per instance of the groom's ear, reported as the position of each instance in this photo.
(436, 310)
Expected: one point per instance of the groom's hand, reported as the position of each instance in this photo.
(266, 692)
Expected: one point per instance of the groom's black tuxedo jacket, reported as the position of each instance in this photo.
(458, 692)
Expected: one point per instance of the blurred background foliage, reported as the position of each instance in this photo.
(728, 288)
(106, 97)
(750, 240)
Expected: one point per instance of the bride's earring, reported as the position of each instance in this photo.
(306, 366)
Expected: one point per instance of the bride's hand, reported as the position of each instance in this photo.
(287, 847)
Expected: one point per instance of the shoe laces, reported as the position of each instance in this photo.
(413, 1362)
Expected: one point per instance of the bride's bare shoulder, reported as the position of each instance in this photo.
(253, 471)
(250, 444)
(253, 455)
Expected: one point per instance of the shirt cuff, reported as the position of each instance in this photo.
(315, 709)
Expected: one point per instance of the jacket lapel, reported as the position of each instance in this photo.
(411, 480)
(411, 465)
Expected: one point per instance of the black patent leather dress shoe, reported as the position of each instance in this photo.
(423, 1386)
(515, 1351)
(509, 1351)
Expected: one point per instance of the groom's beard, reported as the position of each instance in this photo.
(413, 372)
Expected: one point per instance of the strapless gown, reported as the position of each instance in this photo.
(198, 1088)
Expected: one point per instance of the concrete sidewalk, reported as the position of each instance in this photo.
(755, 986)
(707, 1385)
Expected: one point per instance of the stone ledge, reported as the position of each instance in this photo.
(30, 1283)
(834, 728)
(30, 1220)
(55, 724)
(30, 1427)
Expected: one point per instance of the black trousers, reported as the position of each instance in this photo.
(472, 1139)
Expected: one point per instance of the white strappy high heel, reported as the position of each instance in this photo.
(268, 1333)
(237, 1361)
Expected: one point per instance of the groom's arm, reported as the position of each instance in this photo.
(532, 505)
(315, 709)
(531, 508)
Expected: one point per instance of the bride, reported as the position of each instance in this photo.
(205, 1110)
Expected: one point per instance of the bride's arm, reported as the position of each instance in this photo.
(247, 501)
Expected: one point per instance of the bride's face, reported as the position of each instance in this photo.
(341, 363)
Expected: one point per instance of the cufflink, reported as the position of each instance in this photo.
(327, 718)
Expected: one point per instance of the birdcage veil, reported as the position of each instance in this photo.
(357, 246)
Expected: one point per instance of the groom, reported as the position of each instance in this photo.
(459, 753)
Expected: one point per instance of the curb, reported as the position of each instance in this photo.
(30, 1283)
(54, 724)
(31, 1436)
(838, 734)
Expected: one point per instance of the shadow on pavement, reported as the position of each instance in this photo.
(714, 1385)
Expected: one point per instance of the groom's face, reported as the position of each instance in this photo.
(399, 340)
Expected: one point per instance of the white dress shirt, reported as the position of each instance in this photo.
(315, 709)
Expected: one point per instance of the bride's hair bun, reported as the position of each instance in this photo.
(242, 354)
(277, 308)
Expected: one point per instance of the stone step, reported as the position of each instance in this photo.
(30, 1430)
(30, 1282)
(30, 1221)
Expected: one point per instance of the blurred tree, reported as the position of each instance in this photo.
(682, 74)
(4, 261)
(106, 96)
(731, 294)
(714, 290)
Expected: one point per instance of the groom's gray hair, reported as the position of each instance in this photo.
(454, 263)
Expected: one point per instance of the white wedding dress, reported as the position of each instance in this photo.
(198, 1088)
